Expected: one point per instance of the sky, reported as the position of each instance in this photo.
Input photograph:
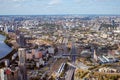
(46, 7)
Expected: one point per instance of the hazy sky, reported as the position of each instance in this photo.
(24, 7)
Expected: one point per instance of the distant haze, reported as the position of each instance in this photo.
(40, 7)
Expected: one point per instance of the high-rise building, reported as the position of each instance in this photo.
(6, 29)
(22, 60)
(113, 23)
(2, 76)
(7, 63)
(95, 56)
(21, 40)
(22, 56)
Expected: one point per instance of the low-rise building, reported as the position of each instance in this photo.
(108, 70)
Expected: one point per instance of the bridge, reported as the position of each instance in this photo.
(60, 56)
(70, 54)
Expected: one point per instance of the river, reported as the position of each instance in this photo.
(4, 48)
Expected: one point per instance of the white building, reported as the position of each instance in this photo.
(51, 50)
(7, 62)
(2, 76)
(108, 70)
(41, 61)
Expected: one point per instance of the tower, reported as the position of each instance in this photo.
(21, 63)
(95, 56)
(6, 29)
(21, 40)
(21, 54)
(113, 23)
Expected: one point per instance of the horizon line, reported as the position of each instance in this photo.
(58, 14)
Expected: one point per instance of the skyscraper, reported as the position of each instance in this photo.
(6, 29)
(21, 54)
(21, 40)
(22, 60)
(95, 56)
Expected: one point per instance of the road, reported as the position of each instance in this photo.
(70, 72)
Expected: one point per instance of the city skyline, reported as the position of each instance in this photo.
(51, 7)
